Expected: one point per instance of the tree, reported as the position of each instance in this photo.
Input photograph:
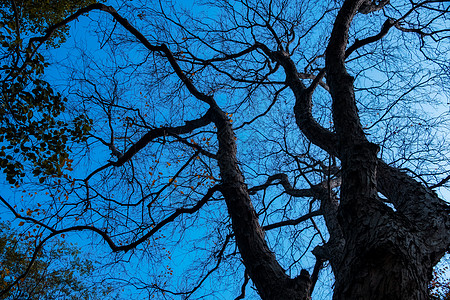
(269, 137)
(57, 273)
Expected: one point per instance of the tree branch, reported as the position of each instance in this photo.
(388, 24)
(293, 221)
(160, 132)
(316, 133)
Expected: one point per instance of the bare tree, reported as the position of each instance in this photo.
(268, 139)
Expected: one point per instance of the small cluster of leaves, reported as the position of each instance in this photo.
(58, 273)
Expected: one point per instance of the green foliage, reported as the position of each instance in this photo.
(58, 273)
(30, 130)
(33, 133)
(35, 16)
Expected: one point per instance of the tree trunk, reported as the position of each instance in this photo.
(384, 257)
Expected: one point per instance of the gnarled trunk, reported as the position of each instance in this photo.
(385, 254)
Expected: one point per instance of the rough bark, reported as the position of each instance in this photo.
(383, 256)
